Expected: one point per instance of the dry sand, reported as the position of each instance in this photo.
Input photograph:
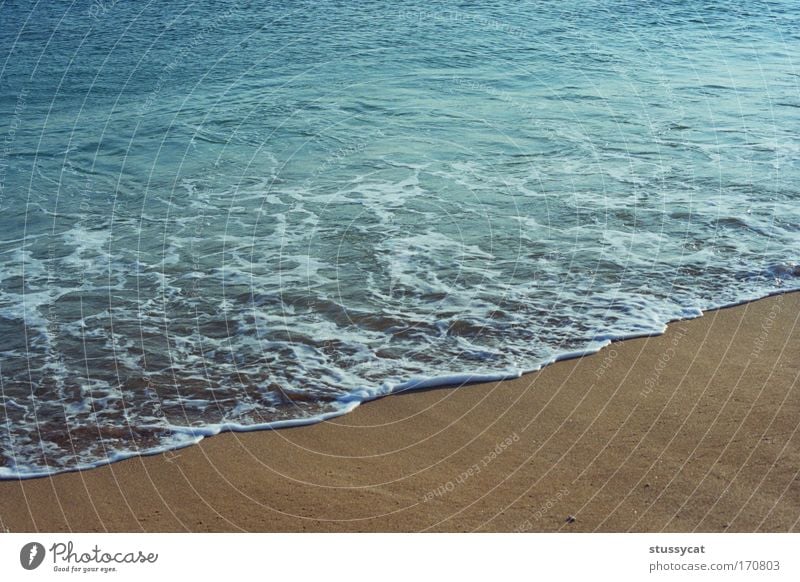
(695, 430)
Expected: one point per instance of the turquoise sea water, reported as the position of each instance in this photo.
(234, 215)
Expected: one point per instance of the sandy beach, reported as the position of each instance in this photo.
(693, 430)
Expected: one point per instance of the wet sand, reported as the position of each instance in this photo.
(694, 430)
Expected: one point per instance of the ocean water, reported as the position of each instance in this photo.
(248, 214)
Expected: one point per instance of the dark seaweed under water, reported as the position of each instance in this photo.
(229, 215)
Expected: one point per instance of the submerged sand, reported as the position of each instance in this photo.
(694, 430)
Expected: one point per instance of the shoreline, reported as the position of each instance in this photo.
(693, 429)
(450, 381)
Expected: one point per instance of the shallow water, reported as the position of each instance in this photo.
(229, 218)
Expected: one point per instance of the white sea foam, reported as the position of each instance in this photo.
(268, 249)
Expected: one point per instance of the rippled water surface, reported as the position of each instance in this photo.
(231, 215)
